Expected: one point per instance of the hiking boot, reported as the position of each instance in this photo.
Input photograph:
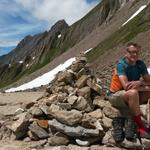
(131, 145)
(117, 132)
(130, 129)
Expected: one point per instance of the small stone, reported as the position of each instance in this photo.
(81, 82)
(43, 123)
(58, 139)
(20, 127)
(72, 99)
(36, 112)
(38, 131)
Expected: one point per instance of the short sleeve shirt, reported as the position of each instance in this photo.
(133, 72)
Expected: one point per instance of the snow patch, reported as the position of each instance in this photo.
(59, 36)
(9, 66)
(20, 62)
(135, 14)
(44, 79)
(88, 50)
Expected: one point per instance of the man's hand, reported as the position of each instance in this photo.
(133, 85)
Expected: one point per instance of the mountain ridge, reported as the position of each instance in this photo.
(93, 35)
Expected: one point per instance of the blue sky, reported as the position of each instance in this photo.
(19, 18)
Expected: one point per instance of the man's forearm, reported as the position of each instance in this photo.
(145, 83)
(143, 88)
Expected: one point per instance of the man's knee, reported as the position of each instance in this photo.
(131, 93)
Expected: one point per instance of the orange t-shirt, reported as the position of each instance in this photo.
(115, 82)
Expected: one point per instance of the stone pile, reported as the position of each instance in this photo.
(73, 110)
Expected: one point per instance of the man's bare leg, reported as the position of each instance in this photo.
(132, 99)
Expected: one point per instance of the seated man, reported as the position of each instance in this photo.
(127, 89)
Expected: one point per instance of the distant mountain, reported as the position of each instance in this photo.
(101, 29)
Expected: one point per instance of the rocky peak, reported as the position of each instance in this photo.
(58, 26)
(24, 41)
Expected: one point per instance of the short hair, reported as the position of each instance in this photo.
(133, 44)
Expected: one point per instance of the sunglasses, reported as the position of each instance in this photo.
(133, 52)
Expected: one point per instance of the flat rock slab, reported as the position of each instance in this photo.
(20, 97)
(13, 101)
(9, 110)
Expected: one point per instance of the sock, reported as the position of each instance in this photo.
(141, 127)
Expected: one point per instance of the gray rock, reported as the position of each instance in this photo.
(68, 89)
(85, 92)
(111, 112)
(66, 77)
(38, 145)
(20, 127)
(83, 104)
(58, 139)
(108, 139)
(107, 122)
(45, 110)
(96, 114)
(52, 99)
(100, 102)
(32, 136)
(61, 97)
(88, 121)
(38, 131)
(77, 131)
(146, 144)
(144, 111)
(71, 118)
(19, 111)
(81, 82)
(82, 71)
(49, 90)
(27, 105)
(5, 133)
(76, 66)
(72, 99)
(64, 106)
(36, 112)
(94, 86)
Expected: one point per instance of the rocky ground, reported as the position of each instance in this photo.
(72, 113)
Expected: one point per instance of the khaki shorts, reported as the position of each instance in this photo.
(116, 99)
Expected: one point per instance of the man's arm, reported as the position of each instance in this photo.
(124, 81)
(146, 79)
(129, 85)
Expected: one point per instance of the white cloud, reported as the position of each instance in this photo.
(54, 10)
(8, 43)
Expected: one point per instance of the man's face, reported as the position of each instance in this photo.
(132, 54)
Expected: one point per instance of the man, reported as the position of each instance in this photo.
(130, 85)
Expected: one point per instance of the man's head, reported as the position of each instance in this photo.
(132, 52)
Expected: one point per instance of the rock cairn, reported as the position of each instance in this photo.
(73, 110)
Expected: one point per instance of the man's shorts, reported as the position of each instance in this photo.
(116, 99)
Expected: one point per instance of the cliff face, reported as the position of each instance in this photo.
(34, 52)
